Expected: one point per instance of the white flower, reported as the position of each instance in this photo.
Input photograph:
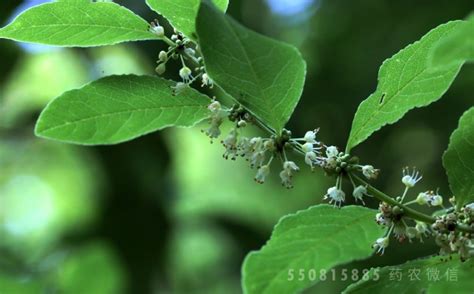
(244, 147)
(156, 29)
(214, 131)
(359, 193)
(381, 219)
(291, 166)
(254, 152)
(370, 172)
(380, 245)
(287, 173)
(285, 176)
(186, 74)
(335, 195)
(410, 180)
(269, 145)
(310, 158)
(262, 173)
(435, 200)
(332, 151)
(423, 198)
(230, 144)
(399, 231)
(214, 106)
(206, 81)
(257, 158)
(217, 118)
(256, 143)
(242, 123)
(310, 137)
(180, 86)
(412, 232)
(307, 147)
(422, 228)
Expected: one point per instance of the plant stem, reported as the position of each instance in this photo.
(168, 41)
(385, 198)
(416, 215)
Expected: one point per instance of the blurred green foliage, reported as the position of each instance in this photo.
(165, 213)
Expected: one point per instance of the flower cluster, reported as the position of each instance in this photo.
(393, 218)
(259, 152)
(429, 198)
(183, 49)
(342, 165)
(449, 239)
(218, 114)
(444, 229)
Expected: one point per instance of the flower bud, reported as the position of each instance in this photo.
(435, 200)
(161, 69)
(370, 172)
(163, 56)
(380, 245)
(157, 29)
(422, 198)
(332, 151)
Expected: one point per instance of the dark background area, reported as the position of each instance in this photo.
(165, 213)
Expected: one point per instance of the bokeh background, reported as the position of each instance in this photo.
(165, 213)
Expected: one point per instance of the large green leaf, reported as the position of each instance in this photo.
(406, 81)
(458, 160)
(77, 23)
(182, 13)
(315, 239)
(431, 276)
(119, 108)
(458, 47)
(264, 75)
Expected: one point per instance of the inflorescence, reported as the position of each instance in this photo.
(262, 152)
(187, 52)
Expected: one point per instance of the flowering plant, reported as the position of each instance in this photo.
(264, 79)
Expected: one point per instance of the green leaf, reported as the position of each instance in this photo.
(264, 75)
(419, 276)
(315, 239)
(459, 162)
(77, 23)
(182, 13)
(119, 108)
(406, 81)
(458, 47)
